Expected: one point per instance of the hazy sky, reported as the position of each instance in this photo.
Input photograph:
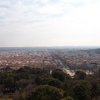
(49, 23)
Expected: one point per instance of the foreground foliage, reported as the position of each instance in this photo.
(38, 84)
(46, 92)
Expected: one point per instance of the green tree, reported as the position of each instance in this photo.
(55, 83)
(95, 88)
(9, 82)
(59, 74)
(80, 75)
(52, 82)
(80, 92)
(46, 92)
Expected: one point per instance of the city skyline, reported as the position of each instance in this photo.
(33, 23)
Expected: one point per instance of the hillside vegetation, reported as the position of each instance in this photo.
(39, 84)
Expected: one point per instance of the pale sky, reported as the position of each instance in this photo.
(49, 23)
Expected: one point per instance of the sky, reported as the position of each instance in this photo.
(32, 23)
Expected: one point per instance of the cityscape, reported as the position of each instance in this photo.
(67, 59)
(49, 49)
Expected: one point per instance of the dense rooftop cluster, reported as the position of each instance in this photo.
(51, 59)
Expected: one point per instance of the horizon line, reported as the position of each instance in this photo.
(44, 46)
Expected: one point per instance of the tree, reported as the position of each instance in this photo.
(38, 80)
(46, 92)
(59, 74)
(55, 83)
(80, 75)
(95, 88)
(9, 82)
(80, 92)
(52, 82)
(22, 83)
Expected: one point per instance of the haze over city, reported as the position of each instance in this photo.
(49, 23)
